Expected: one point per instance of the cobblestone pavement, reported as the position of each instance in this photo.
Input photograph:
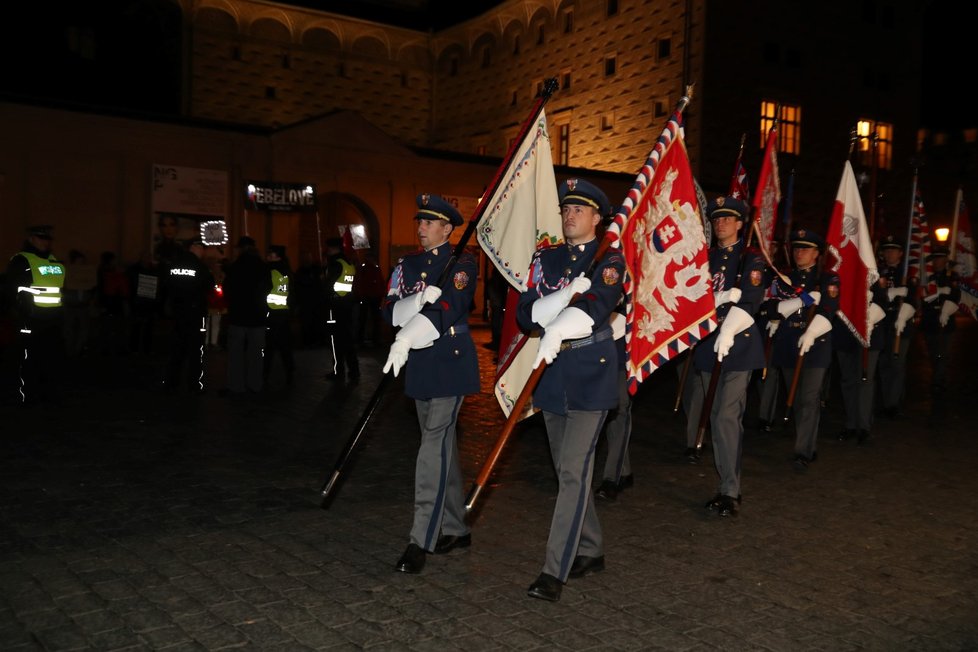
(130, 520)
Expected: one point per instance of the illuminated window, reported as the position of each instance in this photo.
(789, 126)
(866, 130)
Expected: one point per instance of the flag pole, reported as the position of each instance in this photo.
(906, 258)
(550, 86)
(952, 250)
(519, 406)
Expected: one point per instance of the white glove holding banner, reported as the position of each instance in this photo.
(727, 296)
(903, 317)
(617, 322)
(893, 293)
(736, 321)
(409, 306)
(948, 308)
(819, 327)
(545, 309)
(789, 306)
(570, 324)
(875, 313)
(772, 327)
(418, 333)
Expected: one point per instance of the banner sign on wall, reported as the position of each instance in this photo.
(269, 195)
(190, 191)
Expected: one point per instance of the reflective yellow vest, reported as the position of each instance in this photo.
(278, 298)
(47, 279)
(344, 283)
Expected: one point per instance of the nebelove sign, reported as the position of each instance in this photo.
(269, 195)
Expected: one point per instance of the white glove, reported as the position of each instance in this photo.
(906, 312)
(816, 296)
(930, 298)
(943, 290)
(570, 324)
(947, 309)
(875, 314)
(617, 322)
(727, 296)
(772, 327)
(411, 305)
(545, 309)
(788, 306)
(418, 333)
(893, 293)
(819, 327)
(736, 321)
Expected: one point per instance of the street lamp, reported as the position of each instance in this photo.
(942, 233)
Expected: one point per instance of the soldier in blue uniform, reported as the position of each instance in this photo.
(436, 347)
(580, 384)
(937, 323)
(738, 288)
(900, 304)
(857, 376)
(805, 310)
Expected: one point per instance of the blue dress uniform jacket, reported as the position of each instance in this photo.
(747, 352)
(890, 277)
(930, 318)
(449, 367)
(581, 377)
(785, 343)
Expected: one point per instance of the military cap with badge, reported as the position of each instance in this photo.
(806, 239)
(433, 207)
(580, 192)
(727, 207)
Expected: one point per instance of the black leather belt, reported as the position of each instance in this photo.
(458, 328)
(600, 336)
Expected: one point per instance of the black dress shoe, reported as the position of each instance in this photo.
(728, 506)
(546, 587)
(763, 426)
(800, 463)
(714, 504)
(449, 542)
(692, 455)
(626, 482)
(583, 565)
(412, 561)
(607, 491)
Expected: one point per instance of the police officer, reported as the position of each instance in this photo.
(937, 323)
(343, 306)
(35, 279)
(429, 301)
(278, 329)
(580, 383)
(187, 283)
(900, 303)
(805, 309)
(738, 289)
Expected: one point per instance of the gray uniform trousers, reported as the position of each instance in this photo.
(892, 376)
(574, 529)
(246, 351)
(807, 408)
(438, 501)
(726, 423)
(618, 431)
(857, 394)
(770, 394)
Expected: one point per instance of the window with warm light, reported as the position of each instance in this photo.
(789, 125)
(867, 130)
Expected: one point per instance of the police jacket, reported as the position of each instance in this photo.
(340, 275)
(785, 342)
(930, 318)
(747, 351)
(246, 287)
(450, 366)
(34, 282)
(186, 286)
(584, 375)
(278, 296)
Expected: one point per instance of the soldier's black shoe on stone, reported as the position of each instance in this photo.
(607, 491)
(692, 455)
(583, 565)
(546, 587)
(412, 561)
(721, 503)
(448, 542)
(800, 463)
(763, 426)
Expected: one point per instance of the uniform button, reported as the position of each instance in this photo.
(602, 360)
(574, 257)
(456, 351)
(424, 275)
(723, 268)
(567, 272)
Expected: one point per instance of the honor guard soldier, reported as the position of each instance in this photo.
(35, 279)
(937, 323)
(435, 346)
(897, 328)
(580, 384)
(738, 289)
(186, 287)
(278, 329)
(805, 310)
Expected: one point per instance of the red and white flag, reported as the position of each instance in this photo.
(850, 244)
(739, 183)
(919, 265)
(522, 215)
(768, 196)
(668, 297)
(964, 258)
